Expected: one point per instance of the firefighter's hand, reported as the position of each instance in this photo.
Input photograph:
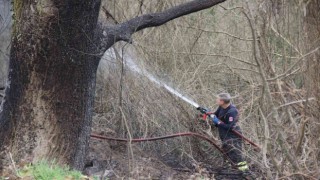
(215, 120)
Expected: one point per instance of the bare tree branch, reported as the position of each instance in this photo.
(220, 32)
(124, 31)
(208, 54)
(295, 102)
(109, 15)
(287, 73)
(256, 55)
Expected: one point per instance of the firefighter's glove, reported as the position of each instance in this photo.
(215, 120)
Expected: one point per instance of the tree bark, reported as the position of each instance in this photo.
(47, 109)
(312, 77)
(48, 101)
(312, 27)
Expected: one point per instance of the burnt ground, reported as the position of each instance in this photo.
(112, 160)
(116, 162)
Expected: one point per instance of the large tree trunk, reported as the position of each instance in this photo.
(312, 20)
(47, 109)
(312, 79)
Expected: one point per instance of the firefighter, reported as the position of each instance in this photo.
(225, 118)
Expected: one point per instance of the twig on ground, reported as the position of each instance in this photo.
(13, 163)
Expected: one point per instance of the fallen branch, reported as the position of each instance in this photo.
(301, 135)
(13, 164)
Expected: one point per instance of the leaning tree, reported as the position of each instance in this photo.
(55, 51)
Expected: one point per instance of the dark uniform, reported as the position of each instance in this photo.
(231, 143)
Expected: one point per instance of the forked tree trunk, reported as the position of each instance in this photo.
(46, 113)
(47, 108)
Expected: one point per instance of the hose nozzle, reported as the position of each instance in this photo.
(202, 110)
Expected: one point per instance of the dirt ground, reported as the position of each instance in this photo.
(121, 162)
(113, 160)
(118, 160)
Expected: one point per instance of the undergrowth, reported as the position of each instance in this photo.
(44, 170)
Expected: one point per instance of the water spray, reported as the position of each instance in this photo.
(176, 93)
(134, 67)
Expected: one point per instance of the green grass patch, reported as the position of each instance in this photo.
(44, 170)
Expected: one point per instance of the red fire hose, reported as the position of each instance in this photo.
(257, 147)
(165, 137)
(96, 136)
